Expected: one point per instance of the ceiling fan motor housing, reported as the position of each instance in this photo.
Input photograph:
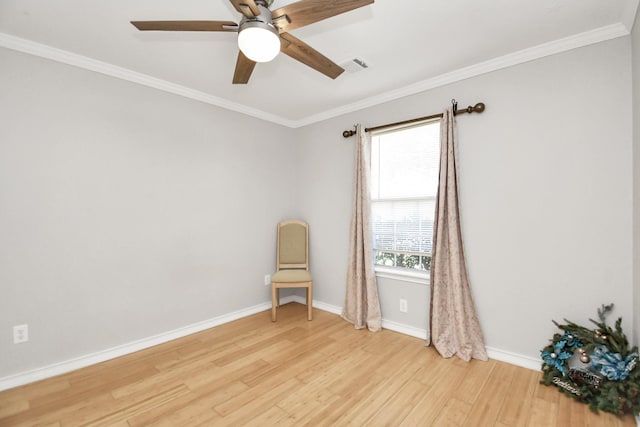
(264, 18)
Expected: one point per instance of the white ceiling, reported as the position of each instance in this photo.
(411, 45)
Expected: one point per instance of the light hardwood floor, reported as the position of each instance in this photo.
(295, 372)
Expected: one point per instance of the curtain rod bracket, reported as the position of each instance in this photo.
(349, 133)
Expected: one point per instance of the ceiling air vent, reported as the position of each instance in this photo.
(355, 65)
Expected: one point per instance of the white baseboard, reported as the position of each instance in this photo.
(52, 370)
(386, 324)
(404, 329)
(49, 371)
(493, 353)
(322, 306)
(532, 363)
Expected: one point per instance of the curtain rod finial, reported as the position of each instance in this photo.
(478, 108)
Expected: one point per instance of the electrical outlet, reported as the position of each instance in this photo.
(267, 279)
(20, 334)
(403, 305)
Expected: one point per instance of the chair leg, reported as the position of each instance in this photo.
(274, 291)
(309, 303)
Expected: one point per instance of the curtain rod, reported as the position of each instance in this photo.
(478, 108)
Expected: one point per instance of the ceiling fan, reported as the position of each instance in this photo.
(263, 33)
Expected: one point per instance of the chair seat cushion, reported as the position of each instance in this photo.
(290, 276)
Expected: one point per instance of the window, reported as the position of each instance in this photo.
(404, 181)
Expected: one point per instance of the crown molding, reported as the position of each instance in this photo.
(69, 58)
(551, 48)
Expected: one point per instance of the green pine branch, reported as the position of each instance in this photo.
(618, 397)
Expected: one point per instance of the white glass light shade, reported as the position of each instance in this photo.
(258, 43)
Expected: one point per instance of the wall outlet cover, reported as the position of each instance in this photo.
(20, 334)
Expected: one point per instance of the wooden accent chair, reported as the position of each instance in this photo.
(292, 263)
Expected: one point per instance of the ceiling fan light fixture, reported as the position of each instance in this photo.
(259, 41)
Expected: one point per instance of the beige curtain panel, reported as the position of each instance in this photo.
(362, 306)
(455, 329)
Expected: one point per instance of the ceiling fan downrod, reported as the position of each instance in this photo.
(265, 3)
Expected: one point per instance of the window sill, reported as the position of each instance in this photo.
(419, 277)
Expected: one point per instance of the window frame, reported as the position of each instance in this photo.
(404, 274)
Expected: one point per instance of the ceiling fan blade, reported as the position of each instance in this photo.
(248, 8)
(244, 68)
(185, 25)
(300, 51)
(307, 12)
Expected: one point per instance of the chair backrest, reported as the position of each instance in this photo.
(293, 245)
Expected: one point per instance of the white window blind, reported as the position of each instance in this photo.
(404, 172)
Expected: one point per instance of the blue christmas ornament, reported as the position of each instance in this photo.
(557, 357)
(572, 340)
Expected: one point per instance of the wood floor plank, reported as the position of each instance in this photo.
(195, 351)
(13, 407)
(478, 372)
(295, 372)
(400, 404)
(255, 401)
(300, 411)
(50, 414)
(272, 417)
(488, 405)
(444, 384)
(517, 404)
(165, 378)
(218, 377)
(338, 369)
(121, 413)
(454, 413)
(51, 386)
(543, 413)
(190, 403)
(291, 364)
(379, 393)
(550, 394)
(189, 415)
(572, 413)
(83, 383)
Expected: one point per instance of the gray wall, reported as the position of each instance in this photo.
(635, 43)
(126, 212)
(546, 183)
